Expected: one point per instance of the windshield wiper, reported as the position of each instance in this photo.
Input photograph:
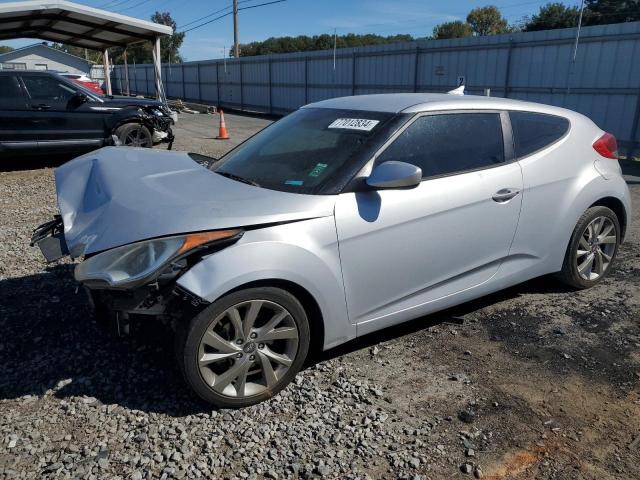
(238, 178)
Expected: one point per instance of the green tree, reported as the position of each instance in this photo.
(6, 49)
(90, 55)
(552, 16)
(169, 45)
(304, 43)
(455, 29)
(143, 52)
(487, 21)
(611, 11)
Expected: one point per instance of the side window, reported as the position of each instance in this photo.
(47, 88)
(10, 94)
(533, 131)
(449, 143)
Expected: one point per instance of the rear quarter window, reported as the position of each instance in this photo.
(535, 131)
(10, 94)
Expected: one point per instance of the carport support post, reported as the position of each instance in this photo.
(126, 72)
(107, 76)
(158, 66)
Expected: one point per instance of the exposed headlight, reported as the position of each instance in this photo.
(137, 261)
(158, 113)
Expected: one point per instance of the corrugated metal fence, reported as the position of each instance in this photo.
(603, 83)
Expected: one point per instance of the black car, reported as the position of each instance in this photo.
(45, 113)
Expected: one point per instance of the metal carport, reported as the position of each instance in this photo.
(73, 24)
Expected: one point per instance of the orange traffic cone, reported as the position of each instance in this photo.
(222, 131)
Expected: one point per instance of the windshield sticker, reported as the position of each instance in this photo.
(297, 183)
(354, 124)
(318, 169)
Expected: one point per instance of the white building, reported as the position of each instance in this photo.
(42, 57)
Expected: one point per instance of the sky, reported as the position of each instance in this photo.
(303, 17)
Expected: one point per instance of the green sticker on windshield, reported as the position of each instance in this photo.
(318, 169)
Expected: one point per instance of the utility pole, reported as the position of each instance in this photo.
(236, 48)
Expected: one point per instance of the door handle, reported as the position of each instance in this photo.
(41, 106)
(505, 194)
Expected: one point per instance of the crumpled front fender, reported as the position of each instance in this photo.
(305, 253)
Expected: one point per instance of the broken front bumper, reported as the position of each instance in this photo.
(49, 237)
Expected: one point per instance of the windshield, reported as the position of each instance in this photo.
(302, 151)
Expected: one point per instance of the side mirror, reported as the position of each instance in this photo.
(394, 174)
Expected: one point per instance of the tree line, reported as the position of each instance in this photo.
(489, 21)
(479, 22)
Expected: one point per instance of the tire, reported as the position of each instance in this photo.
(601, 242)
(134, 135)
(216, 349)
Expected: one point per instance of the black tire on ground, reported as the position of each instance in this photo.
(569, 273)
(134, 135)
(190, 333)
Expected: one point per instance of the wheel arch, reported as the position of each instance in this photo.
(618, 208)
(130, 115)
(613, 194)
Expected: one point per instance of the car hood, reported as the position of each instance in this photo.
(119, 195)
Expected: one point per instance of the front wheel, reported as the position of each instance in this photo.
(592, 249)
(134, 135)
(245, 347)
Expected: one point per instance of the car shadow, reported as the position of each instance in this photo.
(454, 315)
(51, 345)
(33, 162)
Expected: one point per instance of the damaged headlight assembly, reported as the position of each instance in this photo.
(138, 262)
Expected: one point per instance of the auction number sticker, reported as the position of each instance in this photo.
(354, 124)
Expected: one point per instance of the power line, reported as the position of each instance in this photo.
(114, 3)
(213, 13)
(134, 6)
(261, 4)
(229, 13)
(207, 23)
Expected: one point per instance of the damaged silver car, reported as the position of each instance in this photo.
(345, 217)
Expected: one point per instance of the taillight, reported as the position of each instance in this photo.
(607, 146)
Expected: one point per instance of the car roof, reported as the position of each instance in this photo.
(424, 102)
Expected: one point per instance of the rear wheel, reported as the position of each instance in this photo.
(134, 135)
(245, 347)
(592, 249)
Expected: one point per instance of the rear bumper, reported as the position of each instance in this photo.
(49, 237)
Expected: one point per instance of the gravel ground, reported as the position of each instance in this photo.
(533, 382)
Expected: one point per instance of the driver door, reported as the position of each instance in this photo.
(60, 119)
(403, 249)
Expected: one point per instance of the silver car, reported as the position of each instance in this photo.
(345, 217)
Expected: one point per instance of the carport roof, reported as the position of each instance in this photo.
(74, 24)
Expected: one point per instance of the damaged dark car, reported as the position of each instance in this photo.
(46, 113)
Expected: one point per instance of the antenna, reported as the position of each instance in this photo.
(335, 37)
(575, 49)
(575, 46)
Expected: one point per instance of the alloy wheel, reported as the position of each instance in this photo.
(136, 138)
(248, 348)
(596, 248)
